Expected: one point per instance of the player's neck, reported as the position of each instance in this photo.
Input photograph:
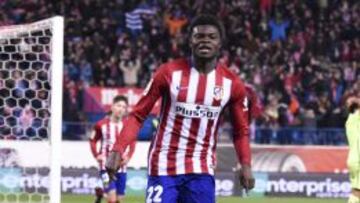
(204, 65)
(114, 119)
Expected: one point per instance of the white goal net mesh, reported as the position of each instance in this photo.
(24, 71)
(25, 110)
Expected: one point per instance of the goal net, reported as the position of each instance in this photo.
(31, 63)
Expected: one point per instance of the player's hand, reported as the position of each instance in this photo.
(124, 160)
(112, 164)
(247, 180)
(99, 158)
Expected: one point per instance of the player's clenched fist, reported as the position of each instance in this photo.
(247, 180)
(100, 158)
(112, 164)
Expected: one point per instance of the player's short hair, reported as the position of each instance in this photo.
(353, 104)
(207, 19)
(120, 98)
(353, 107)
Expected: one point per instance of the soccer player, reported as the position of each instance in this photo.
(105, 131)
(194, 93)
(353, 136)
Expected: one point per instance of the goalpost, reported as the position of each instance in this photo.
(31, 74)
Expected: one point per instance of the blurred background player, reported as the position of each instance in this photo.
(105, 132)
(194, 92)
(353, 136)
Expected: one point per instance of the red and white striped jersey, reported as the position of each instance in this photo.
(192, 103)
(255, 106)
(105, 132)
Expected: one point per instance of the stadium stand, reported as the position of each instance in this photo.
(302, 57)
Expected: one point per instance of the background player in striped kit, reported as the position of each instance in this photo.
(353, 136)
(105, 132)
(194, 92)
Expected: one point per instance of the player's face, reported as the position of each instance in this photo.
(119, 109)
(205, 41)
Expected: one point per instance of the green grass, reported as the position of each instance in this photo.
(135, 199)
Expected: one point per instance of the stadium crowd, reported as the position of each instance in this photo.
(302, 57)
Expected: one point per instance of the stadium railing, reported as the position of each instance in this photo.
(282, 136)
(300, 136)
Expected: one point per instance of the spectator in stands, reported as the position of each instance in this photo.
(278, 28)
(175, 21)
(86, 73)
(130, 69)
(72, 110)
(26, 117)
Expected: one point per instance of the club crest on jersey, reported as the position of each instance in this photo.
(218, 92)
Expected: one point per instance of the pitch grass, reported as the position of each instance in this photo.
(136, 199)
